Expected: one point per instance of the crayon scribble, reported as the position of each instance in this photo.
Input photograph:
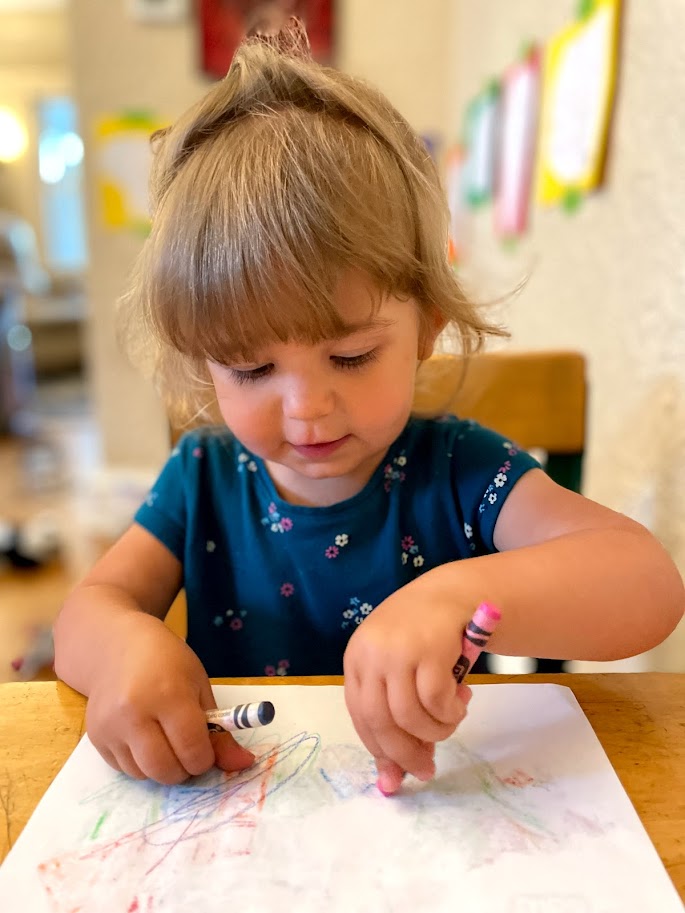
(307, 804)
(184, 828)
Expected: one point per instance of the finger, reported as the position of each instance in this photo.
(409, 713)
(390, 776)
(188, 738)
(155, 757)
(228, 754)
(126, 764)
(396, 745)
(438, 693)
(108, 756)
(464, 694)
(355, 709)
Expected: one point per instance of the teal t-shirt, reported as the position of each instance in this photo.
(276, 588)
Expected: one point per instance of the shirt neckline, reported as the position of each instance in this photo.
(266, 483)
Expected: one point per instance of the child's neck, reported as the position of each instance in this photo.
(298, 489)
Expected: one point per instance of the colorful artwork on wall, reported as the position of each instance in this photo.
(224, 23)
(580, 75)
(123, 164)
(481, 127)
(518, 135)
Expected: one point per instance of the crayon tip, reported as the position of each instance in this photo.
(490, 611)
(266, 712)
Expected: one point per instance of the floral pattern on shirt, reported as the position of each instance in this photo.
(275, 522)
(355, 612)
(341, 540)
(235, 618)
(491, 495)
(245, 461)
(410, 552)
(281, 668)
(394, 472)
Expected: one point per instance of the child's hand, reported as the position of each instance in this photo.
(145, 712)
(399, 686)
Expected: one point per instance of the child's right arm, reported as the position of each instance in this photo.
(147, 689)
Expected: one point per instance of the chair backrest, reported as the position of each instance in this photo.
(538, 399)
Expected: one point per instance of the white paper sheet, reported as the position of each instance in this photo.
(525, 815)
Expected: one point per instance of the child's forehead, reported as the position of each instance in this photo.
(362, 332)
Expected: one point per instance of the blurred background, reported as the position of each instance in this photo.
(558, 132)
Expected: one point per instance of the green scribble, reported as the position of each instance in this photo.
(100, 822)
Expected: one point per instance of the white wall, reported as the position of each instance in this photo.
(609, 280)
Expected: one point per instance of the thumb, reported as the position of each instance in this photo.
(228, 754)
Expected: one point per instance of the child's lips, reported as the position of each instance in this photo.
(319, 450)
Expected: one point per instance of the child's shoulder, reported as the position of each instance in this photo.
(207, 446)
(465, 442)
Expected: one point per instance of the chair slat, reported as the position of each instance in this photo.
(536, 398)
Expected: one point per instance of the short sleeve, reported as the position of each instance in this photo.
(486, 468)
(164, 511)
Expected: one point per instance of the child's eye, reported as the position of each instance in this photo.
(354, 361)
(250, 375)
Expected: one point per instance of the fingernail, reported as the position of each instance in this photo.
(385, 785)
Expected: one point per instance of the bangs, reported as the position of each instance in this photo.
(291, 200)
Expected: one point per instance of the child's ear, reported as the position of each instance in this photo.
(432, 325)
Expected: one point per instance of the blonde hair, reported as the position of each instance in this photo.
(283, 175)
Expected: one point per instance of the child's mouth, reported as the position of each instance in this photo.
(314, 451)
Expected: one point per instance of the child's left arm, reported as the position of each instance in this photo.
(573, 579)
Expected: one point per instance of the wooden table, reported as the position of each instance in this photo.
(639, 719)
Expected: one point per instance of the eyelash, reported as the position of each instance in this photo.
(354, 362)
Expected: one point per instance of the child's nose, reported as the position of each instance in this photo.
(307, 399)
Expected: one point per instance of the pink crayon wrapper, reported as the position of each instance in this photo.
(476, 636)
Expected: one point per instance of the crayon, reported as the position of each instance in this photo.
(476, 635)
(244, 716)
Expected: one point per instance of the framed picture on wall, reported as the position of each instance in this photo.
(224, 23)
(579, 89)
(517, 146)
(158, 10)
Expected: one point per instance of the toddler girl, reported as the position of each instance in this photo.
(295, 278)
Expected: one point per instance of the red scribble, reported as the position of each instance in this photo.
(135, 906)
(518, 778)
(270, 761)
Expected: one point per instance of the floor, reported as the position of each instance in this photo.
(42, 478)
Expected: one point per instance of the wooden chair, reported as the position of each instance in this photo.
(538, 399)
